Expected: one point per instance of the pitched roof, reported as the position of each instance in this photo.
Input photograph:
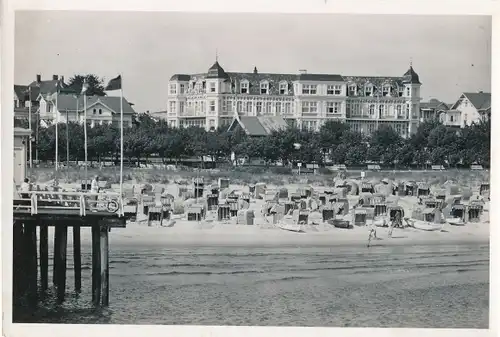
(68, 102)
(320, 77)
(261, 125)
(274, 79)
(47, 87)
(216, 71)
(180, 77)
(480, 100)
(433, 104)
(411, 77)
(21, 91)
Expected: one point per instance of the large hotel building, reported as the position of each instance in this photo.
(305, 100)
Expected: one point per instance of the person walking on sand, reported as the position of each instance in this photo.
(372, 233)
(94, 187)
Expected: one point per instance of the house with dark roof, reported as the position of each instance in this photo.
(471, 107)
(97, 110)
(306, 100)
(258, 126)
(430, 111)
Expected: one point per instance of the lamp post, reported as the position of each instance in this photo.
(297, 147)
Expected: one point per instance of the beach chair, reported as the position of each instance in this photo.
(155, 214)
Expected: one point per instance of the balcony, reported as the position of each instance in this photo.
(190, 112)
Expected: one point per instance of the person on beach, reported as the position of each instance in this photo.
(25, 188)
(372, 232)
(94, 187)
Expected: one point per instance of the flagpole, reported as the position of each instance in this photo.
(31, 130)
(85, 133)
(67, 138)
(121, 145)
(57, 133)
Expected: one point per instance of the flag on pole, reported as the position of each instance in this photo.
(85, 86)
(114, 84)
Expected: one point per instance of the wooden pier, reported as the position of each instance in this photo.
(61, 210)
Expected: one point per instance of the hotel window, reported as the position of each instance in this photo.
(173, 89)
(100, 111)
(368, 90)
(259, 107)
(94, 111)
(202, 106)
(451, 118)
(386, 90)
(244, 87)
(172, 107)
(407, 91)
(283, 88)
(381, 110)
(400, 92)
(212, 106)
(333, 107)
(268, 107)
(212, 87)
(182, 88)
(371, 109)
(224, 105)
(287, 108)
(278, 108)
(249, 106)
(309, 89)
(264, 88)
(333, 90)
(239, 106)
(181, 107)
(352, 90)
(399, 110)
(309, 107)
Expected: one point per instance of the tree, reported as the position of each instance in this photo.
(95, 84)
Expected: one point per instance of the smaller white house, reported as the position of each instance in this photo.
(470, 108)
(99, 109)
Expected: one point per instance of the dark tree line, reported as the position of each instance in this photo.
(432, 144)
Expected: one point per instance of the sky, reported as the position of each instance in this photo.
(451, 54)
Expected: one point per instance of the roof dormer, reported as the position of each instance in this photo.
(264, 87)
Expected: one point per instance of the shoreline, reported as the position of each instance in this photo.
(188, 234)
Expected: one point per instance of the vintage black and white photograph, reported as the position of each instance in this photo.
(251, 169)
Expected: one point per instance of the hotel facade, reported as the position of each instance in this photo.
(213, 99)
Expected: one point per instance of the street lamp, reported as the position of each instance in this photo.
(297, 147)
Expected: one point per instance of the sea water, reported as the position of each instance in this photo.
(435, 286)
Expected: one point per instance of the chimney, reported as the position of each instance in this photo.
(38, 78)
(255, 70)
(55, 77)
(302, 71)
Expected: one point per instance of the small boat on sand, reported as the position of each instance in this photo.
(455, 221)
(427, 226)
(297, 228)
(339, 223)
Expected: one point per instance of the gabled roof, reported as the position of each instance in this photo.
(480, 100)
(69, 103)
(46, 87)
(259, 125)
(433, 104)
(21, 92)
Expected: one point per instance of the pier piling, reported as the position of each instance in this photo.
(104, 265)
(44, 257)
(61, 256)
(31, 261)
(77, 258)
(96, 266)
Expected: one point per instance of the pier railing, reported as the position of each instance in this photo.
(36, 202)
